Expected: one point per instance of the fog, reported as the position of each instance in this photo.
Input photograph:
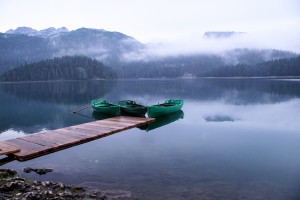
(199, 44)
(168, 28)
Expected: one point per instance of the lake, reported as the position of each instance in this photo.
(235, 139)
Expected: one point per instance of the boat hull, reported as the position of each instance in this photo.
(115, 110)
(169, 106)
(103, 106)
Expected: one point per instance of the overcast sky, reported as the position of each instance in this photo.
(162, 20)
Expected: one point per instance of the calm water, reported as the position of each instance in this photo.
(238, 139)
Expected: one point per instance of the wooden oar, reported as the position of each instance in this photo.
(82, 109)
(83, 115)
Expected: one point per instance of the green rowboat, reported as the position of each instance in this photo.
(169, 106)
(131, 108)
(104, 106)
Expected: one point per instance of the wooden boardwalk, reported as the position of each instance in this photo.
(42, 143)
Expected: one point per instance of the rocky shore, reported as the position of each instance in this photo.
(14, 187)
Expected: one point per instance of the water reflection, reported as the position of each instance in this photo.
(163, 120)
(31, 107)
(237, 91)
(231, 91)
(239, 139)
(219, 118)
(101, 116)
(65, 92)
(10, 134)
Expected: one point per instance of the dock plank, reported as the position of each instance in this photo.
(26, 148)
(116, 124)
(77, 133)
(42, 143)
(71, 134)
(107, 125)
(92, 132)
(37, 139)
(49, 137)
(61, 138)
(123, 122)
(7, 149)
(98, 128)
(127, 119)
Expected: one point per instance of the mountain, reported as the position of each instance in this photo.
(17, 49)
(96, 43)
(26, 45)
(63, 68)
(23, 31)
(49, 32)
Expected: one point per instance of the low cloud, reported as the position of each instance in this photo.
(287, 41)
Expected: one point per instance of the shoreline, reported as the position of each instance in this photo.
(12, 186)
(162, 78)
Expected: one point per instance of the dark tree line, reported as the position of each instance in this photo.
(62, 68)
(208, 66)
(170, 67)
(84, 68)
(280, 67)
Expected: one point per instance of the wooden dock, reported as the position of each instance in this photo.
(42, 143)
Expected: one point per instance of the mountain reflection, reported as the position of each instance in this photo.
(66, 92)
(233, 91)
(35, 106)
(236, 91)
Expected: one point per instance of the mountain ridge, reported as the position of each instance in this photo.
(26, 45)
(45, 33)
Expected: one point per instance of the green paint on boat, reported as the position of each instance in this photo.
(131, 108)
(169, 106)
(104, 106)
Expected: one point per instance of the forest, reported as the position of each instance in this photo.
(280, 67)
(84, 68)
(60, 68)
(211, 66)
